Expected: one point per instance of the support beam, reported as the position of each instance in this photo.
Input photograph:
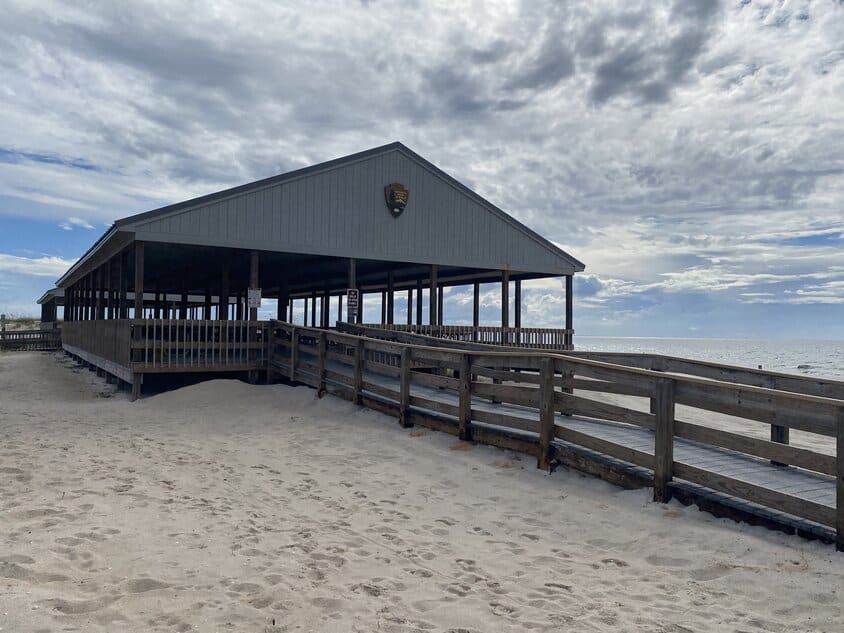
(383, 307)
(391, 298)
(313, 309)
(505, 298)
(440, 303)
(517, 303)
(326, 305)
(419, 302)
(139, 280)
(352, 315)
(476, 309)
(254, 282)
(283, 299)
(123, 286)
(432, 299)
(225, 289)
(569, 310)
(410, 306)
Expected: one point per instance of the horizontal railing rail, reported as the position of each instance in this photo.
(30, 340)
(534, 338)
(535, 390)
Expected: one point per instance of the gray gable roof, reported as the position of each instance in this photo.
(337, 208)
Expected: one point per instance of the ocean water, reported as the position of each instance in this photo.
(812, 358)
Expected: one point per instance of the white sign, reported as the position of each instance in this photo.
(353, 298)
(353, 295)
(253, 298)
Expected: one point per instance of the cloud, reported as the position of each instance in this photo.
(33, 266)
(682, 150)
(72, 223)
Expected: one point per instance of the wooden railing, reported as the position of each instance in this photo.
(107, 339)
(30, 340)
(541, 384)
(527, 337)
(178, 345)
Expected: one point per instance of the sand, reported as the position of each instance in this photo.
(230, 507)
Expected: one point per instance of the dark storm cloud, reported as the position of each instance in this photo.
(651, 62)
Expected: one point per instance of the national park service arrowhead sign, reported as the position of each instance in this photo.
(396, 195)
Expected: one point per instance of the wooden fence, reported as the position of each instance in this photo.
(517, 395)
(527, 337)
(184, 345)
(30, 340)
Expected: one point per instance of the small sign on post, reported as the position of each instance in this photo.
(352, 299)
(253, 298)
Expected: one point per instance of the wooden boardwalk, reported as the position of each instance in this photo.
(554, 406)
(795, 482)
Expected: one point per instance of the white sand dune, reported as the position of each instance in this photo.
(230, 507)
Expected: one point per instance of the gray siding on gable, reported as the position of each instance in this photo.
(341, 212)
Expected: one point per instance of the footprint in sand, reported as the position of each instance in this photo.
(142, 585)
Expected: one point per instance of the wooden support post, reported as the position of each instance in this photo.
(418, 302)
(383, 307)
(322, 348)
(440, 302)
(779, 434)
(664, 439)
(326, 305)
(122, 303)
(839, 481)
(505, 299)
(283, 299)
(225, 290)
(546, 413)
(139, 280)
(294, 353)
(313, 309)
(360, 355)
(465, 395)
(137, 381)
(517, 305)
(340, 307)
(351, 314)
(410, 306)
(238, 306)
(432, 299)
(183, 305)
(305, 312)
(404, 385)
(476, 309)
(206, 312)
(391, 298)
(569, 311)
(254, 281)
(102, 304)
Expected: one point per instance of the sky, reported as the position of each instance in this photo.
(690, 153)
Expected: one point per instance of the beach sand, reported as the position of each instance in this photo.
(230, 507)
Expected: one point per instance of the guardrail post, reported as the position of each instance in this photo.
(294, 353)
(360, 353)
(839, 481)
(546, 413)
(663, 405)
(404, 399)
(568, 376)
(465, 407)
(322, 347)
(779, 434)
